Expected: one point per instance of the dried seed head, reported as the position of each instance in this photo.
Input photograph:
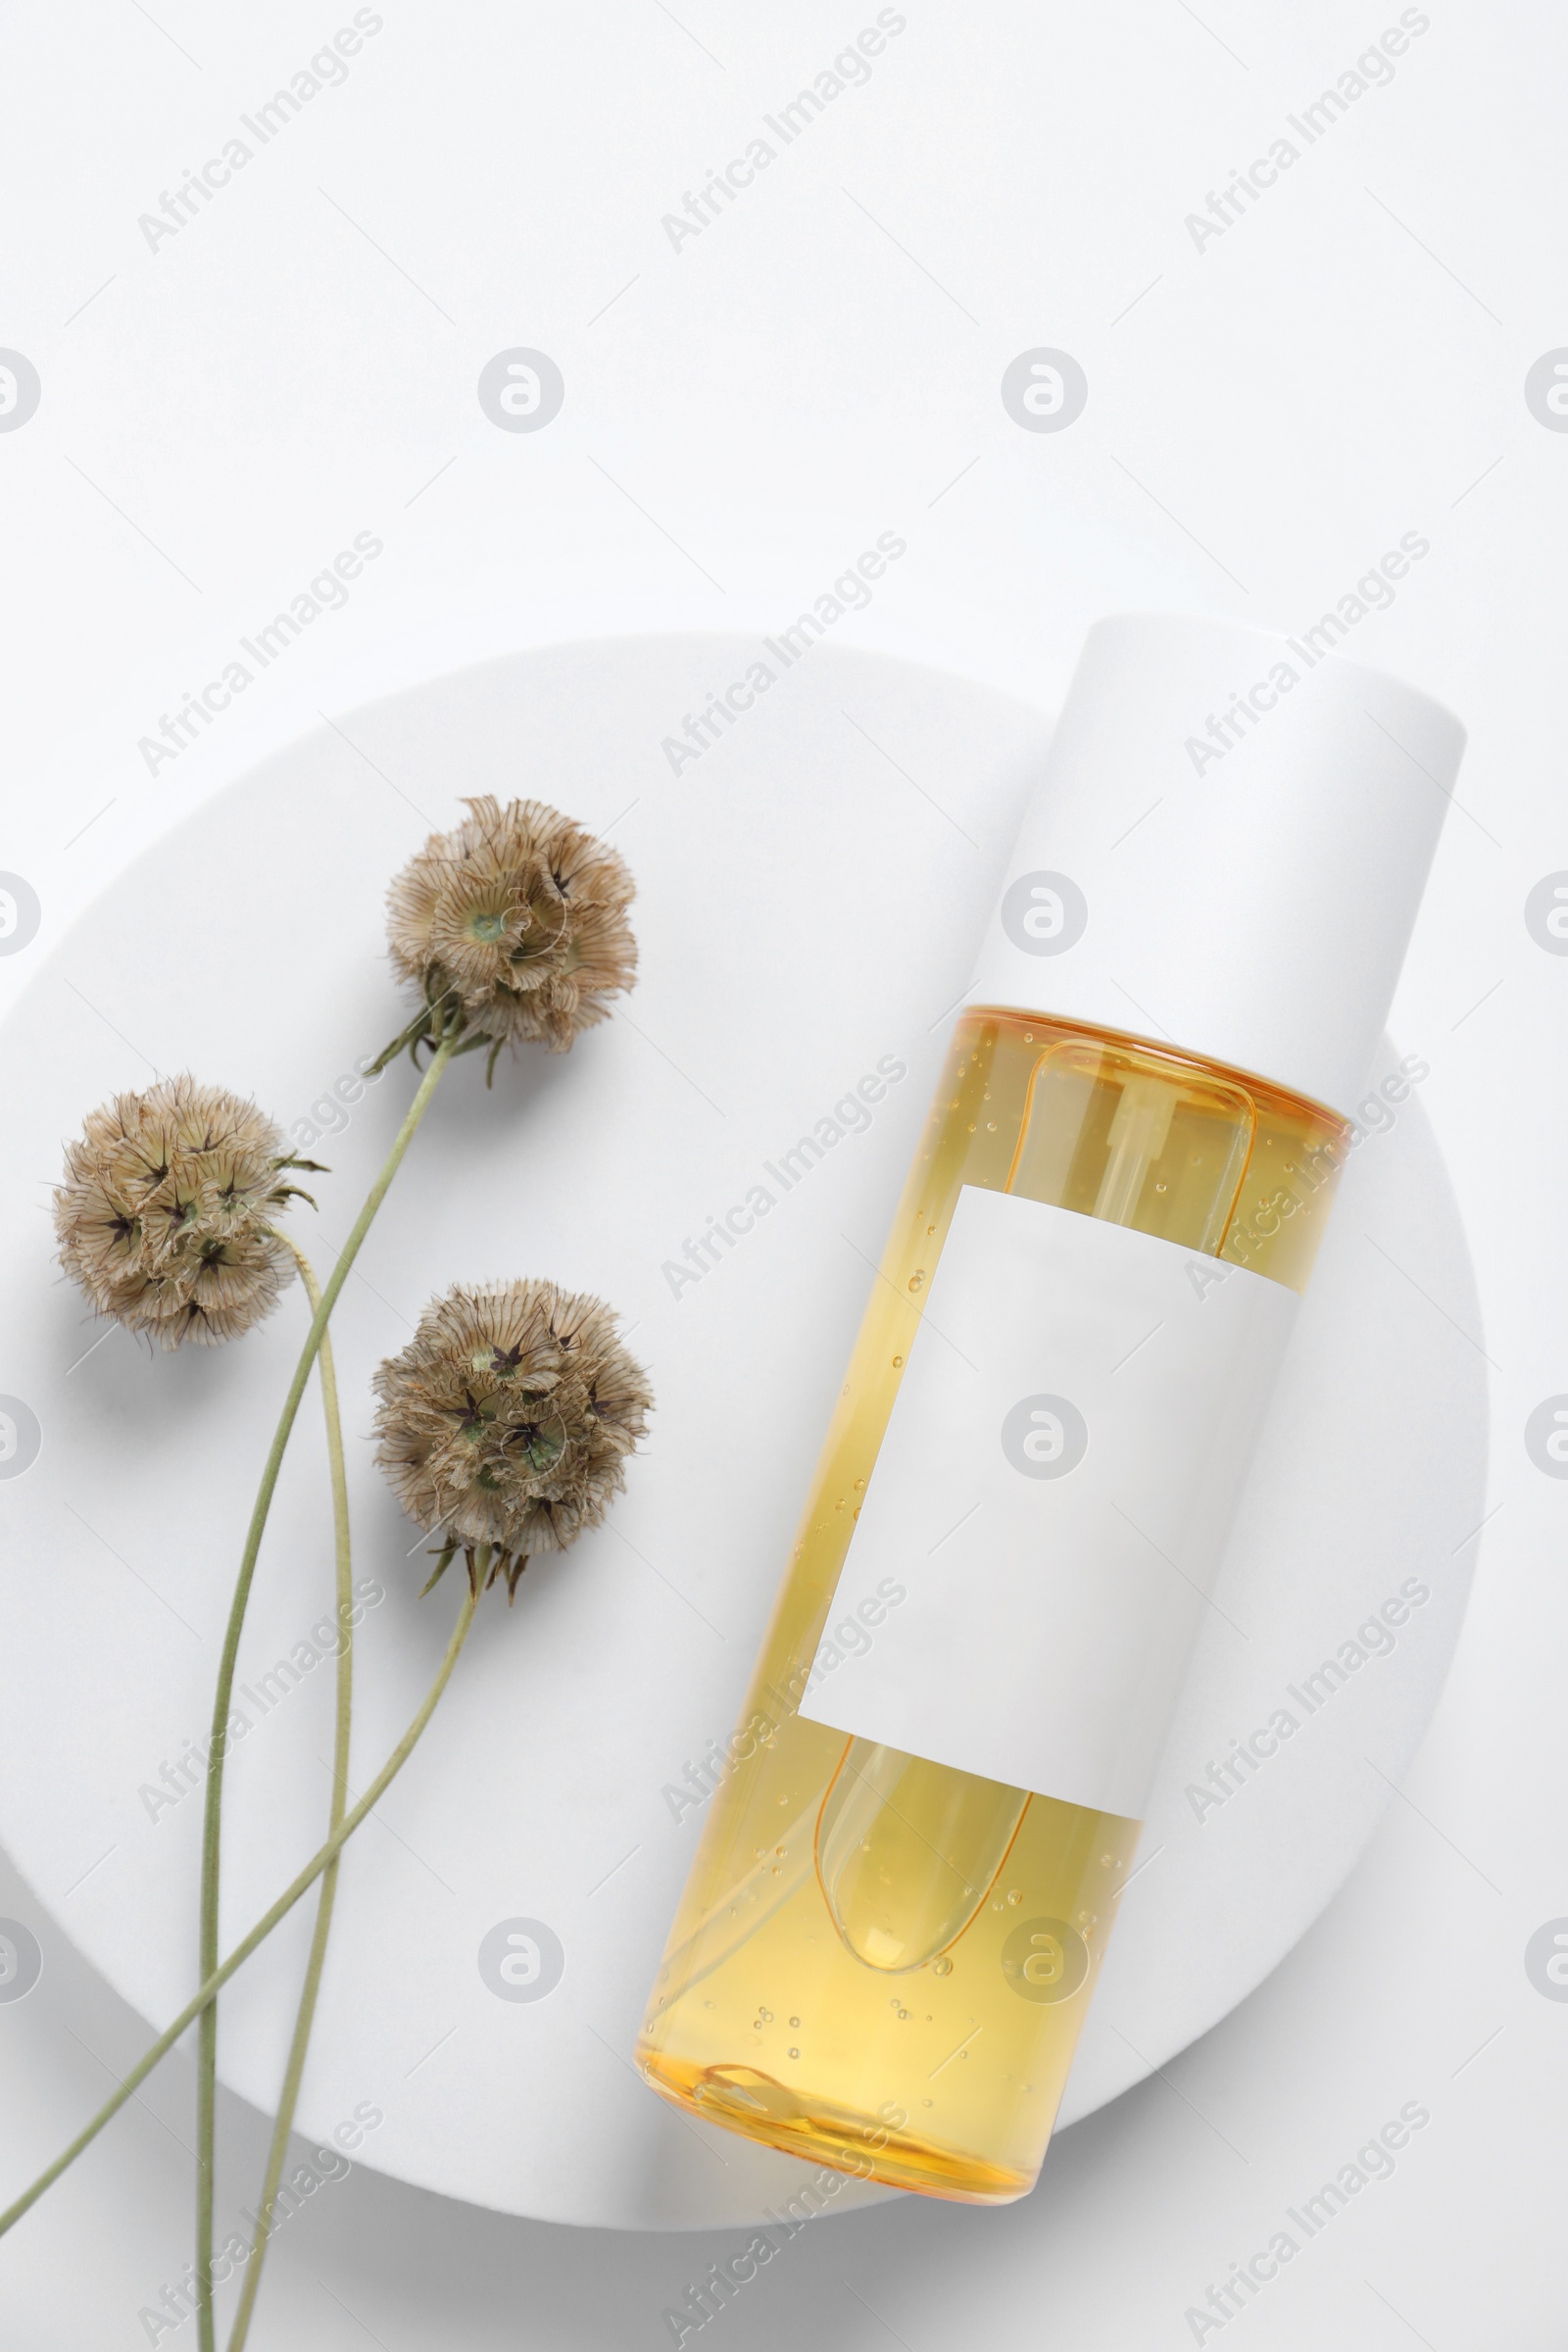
(166, 1215)
(514, 926)
(508, 1418)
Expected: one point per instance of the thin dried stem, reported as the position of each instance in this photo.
(305, 2017)
(207, 1961)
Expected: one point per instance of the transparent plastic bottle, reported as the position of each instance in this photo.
(906, 1883)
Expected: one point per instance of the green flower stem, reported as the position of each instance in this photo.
(325, 1855)
(207, 1951)
(305, 2017)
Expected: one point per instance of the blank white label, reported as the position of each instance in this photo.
(1053, 1489)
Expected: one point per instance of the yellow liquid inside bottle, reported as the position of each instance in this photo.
(880, 1963)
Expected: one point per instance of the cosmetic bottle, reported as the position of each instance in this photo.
(930, 1809)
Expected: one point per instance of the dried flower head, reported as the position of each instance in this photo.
(514, 926)
(506, 1420)
(166, 1215)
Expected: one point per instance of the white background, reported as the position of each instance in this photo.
(1266, 416)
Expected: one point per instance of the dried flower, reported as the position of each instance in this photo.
(508, 1418)
(165, 1217)
(514, 926)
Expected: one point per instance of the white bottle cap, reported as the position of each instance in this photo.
(1226, 851)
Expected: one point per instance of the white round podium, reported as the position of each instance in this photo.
(811, 891)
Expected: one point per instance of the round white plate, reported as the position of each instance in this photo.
(811, 890)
